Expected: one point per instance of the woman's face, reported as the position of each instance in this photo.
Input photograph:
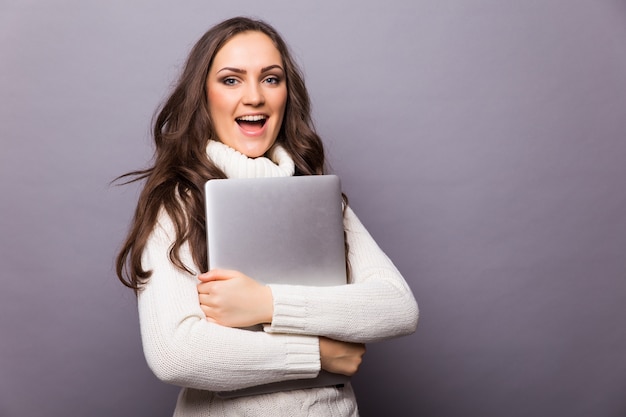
(247, 93)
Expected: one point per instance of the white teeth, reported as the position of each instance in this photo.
(254, 118)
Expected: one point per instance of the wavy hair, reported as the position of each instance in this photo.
(181, 131)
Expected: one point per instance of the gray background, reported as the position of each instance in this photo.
(482, 142)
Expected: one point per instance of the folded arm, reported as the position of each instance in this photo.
(183, 348)
(376, 305)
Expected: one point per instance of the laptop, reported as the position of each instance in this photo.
(282, 230)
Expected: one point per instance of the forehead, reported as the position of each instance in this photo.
(247, 50)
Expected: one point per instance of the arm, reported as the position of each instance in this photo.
(378, 304)
(183, 348)
(232, 299)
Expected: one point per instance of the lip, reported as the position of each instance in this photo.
(254, 133)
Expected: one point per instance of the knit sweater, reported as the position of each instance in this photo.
(184, 349)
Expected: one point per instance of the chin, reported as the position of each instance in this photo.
(254, 151)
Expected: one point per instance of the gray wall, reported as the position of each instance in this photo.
(481, 141)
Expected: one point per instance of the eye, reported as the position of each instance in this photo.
(230, 81)
(273, 80)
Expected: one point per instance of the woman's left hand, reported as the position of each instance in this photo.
(233, 299)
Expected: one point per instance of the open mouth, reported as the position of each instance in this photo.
(250, 123)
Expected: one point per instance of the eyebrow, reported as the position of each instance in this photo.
(243, 71)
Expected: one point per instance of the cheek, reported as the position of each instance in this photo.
(220, 102)
(215, 101)
(281, 103)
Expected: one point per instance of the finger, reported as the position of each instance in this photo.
(204, 309)
(207, 311)
(205, 287)
(205, 299)
(207, 314)
(217, 274)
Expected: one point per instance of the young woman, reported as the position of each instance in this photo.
(240, 109)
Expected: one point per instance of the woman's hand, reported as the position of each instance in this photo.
(233, 299)
(340, 357)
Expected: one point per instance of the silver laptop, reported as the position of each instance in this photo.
(286, 230)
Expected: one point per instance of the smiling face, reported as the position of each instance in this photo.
(247, 93)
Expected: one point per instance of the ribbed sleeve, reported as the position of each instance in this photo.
(183, 348)
(376, 305)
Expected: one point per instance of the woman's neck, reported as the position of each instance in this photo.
(234, 164)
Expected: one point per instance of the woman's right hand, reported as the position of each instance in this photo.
(340, 357)
(233, 299)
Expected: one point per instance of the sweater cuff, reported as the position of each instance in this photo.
(303, 356)
(289, 310)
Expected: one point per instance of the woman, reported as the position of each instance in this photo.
(240, 109)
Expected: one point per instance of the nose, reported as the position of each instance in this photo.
(253, 95)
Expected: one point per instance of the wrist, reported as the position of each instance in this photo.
(268, 303)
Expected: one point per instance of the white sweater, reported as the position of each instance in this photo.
(184, 349)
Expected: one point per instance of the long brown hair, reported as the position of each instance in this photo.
(181, 131)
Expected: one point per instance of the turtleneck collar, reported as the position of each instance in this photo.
(237, 165)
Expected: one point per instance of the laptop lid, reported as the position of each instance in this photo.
(286, 230)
